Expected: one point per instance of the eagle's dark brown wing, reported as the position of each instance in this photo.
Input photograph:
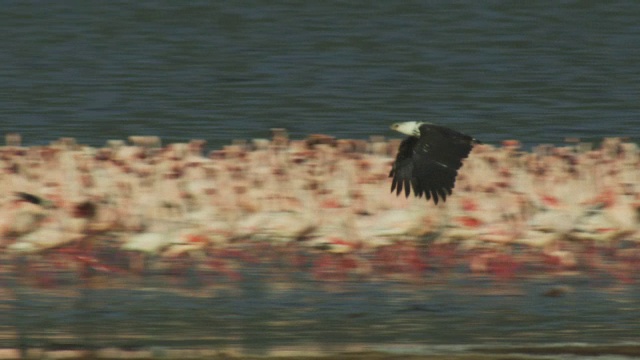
(429, 164)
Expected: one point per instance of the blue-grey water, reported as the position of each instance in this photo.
(537, 71)
(271, 303)
(445, 312)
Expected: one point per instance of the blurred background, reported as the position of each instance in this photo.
(538, 72)
(223, 70)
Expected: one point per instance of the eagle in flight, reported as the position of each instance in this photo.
(429, 159)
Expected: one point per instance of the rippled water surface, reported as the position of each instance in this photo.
(268, 307)
(220, 70)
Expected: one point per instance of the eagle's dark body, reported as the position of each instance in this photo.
(429, 161)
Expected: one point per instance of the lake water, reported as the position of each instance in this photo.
(223, 70)
(269, 306)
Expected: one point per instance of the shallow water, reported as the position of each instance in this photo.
(270, 310)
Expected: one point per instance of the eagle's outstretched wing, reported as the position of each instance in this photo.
(429, 164)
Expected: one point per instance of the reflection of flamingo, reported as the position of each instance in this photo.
(621, 265)
(401, 258)
(338, 262)
(337, 248)
(64, 232)
(497, 263)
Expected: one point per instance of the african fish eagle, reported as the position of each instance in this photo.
(429, 159)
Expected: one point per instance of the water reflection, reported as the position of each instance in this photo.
(260, 312)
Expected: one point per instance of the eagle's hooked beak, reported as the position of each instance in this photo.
(394, 126)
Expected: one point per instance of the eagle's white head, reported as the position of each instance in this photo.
(411, 128)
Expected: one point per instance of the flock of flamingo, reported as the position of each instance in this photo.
(320, 205)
